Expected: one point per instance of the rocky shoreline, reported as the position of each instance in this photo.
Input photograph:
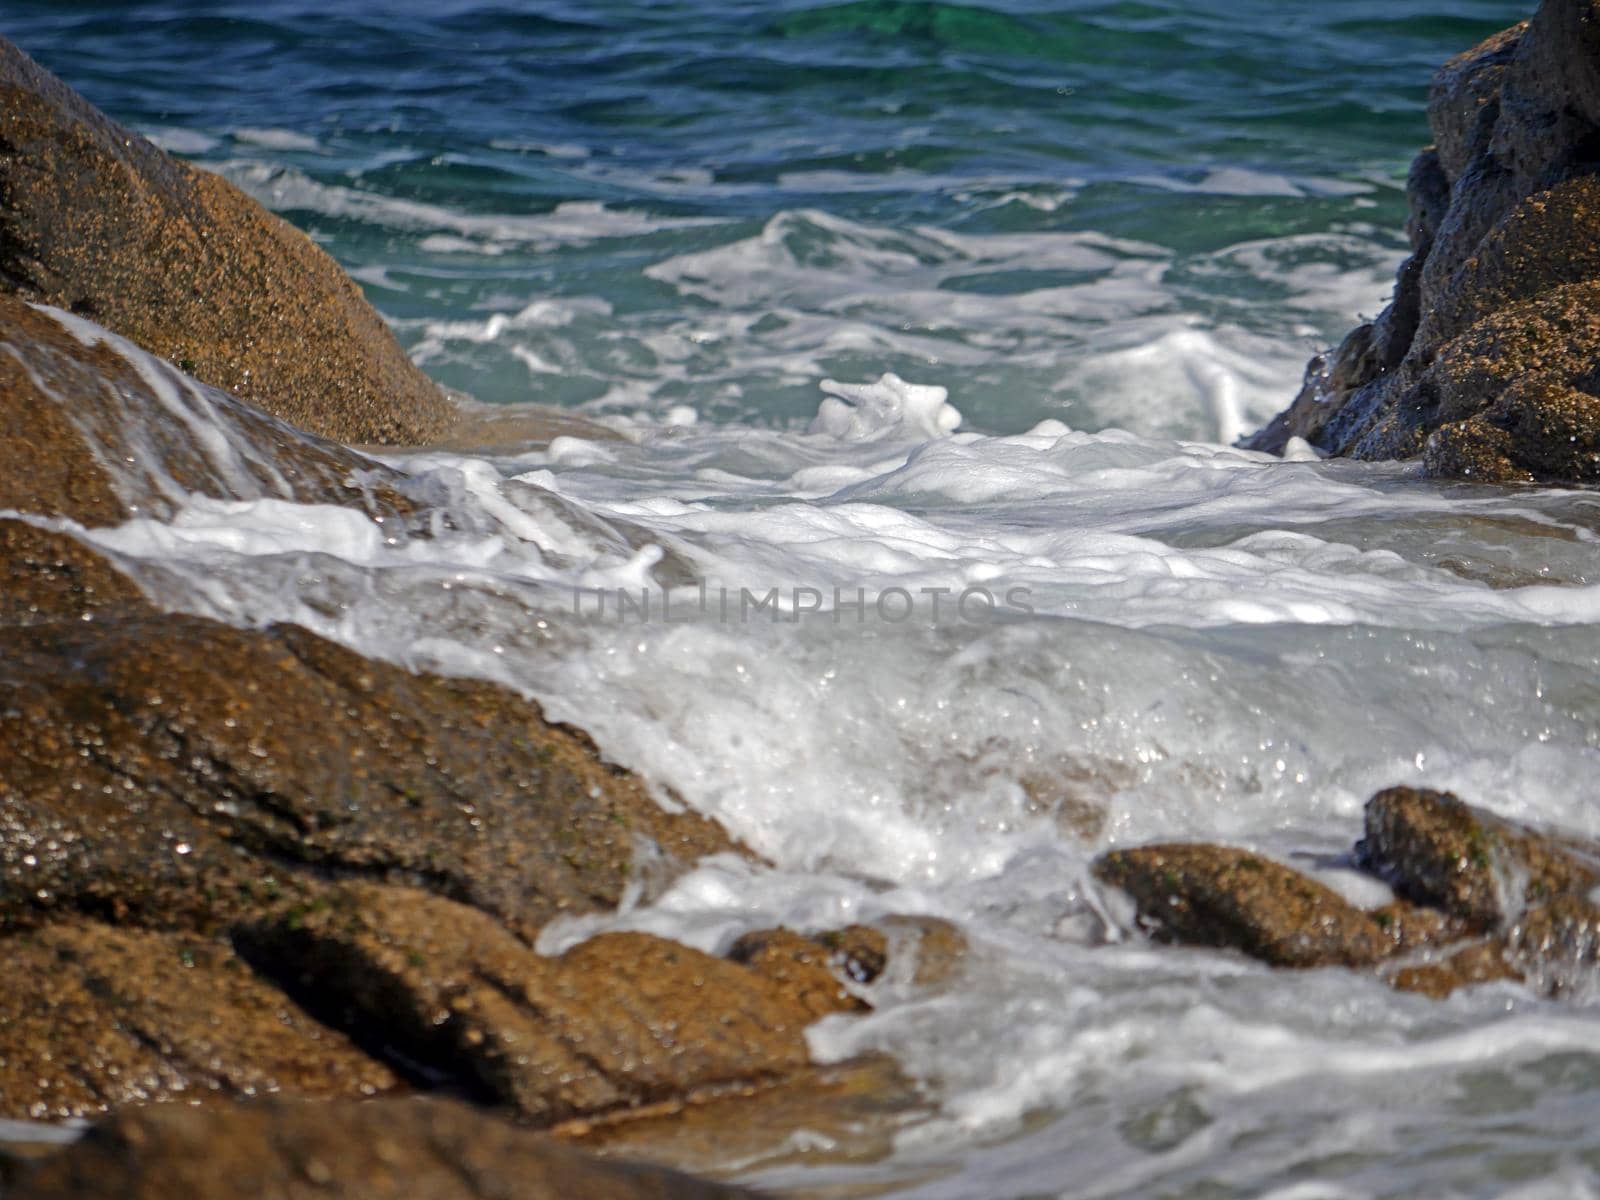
(275, 903)
(245, 862)
(1484, 363)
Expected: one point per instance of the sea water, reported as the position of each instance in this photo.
(915, 551)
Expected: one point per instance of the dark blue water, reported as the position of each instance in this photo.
(1215, 186)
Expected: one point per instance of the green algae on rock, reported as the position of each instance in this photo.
(1486, 364)
(97, 220)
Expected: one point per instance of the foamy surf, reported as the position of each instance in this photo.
(1109, 255)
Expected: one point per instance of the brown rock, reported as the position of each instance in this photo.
(623, 1021)
(1411, 927)
(115, 1016)
(388, 1150)
(1481, 962)
(846, 1113)
(804, 967)
(925, 951)
(174, 772)
(100, 431)
(47, 576)
(1439, 851)
(1556, 946)
(1487, 362)
(167, 773)
(95, 219)
(1204, 895)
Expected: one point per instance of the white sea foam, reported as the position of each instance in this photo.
(276, 139)
(1081, 327)
(175, 140)
(573, 222)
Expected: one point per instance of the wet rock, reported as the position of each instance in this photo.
(97, 220)
(1480, 962)
(918, 950)
(847, 1113)
(94, 429)
(389, 1150)
(622, 1021)
(116, 1016)
(1411, 927)
(173, 772)
(1556, 946)
(49, 576)
(1487, 362)
(806, 967)
(1203, 895)
(1437, 850)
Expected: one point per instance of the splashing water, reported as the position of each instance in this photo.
(996, 596)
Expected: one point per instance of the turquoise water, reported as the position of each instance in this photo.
(719, 205)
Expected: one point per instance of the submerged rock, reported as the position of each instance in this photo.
(1486, 362)
(97, 220)
(917, 950)
(1203, 895)
(389, 1150)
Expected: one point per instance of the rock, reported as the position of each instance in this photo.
(117, 1016)
(923, 952)
(95, 429)
(48, 576)
(622, 1021)
(1411, 927)
(1486, 364)
(1439, 851)
(96, 220)
(1556, 946)
(805, 967)
(165, 778)
(388, 1150)
(173, 772)
(847, 1113)
(1203, 895)
(1481, 962)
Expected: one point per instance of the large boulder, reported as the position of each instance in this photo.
(97, 220)
(1486, 364)
(175, 772)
